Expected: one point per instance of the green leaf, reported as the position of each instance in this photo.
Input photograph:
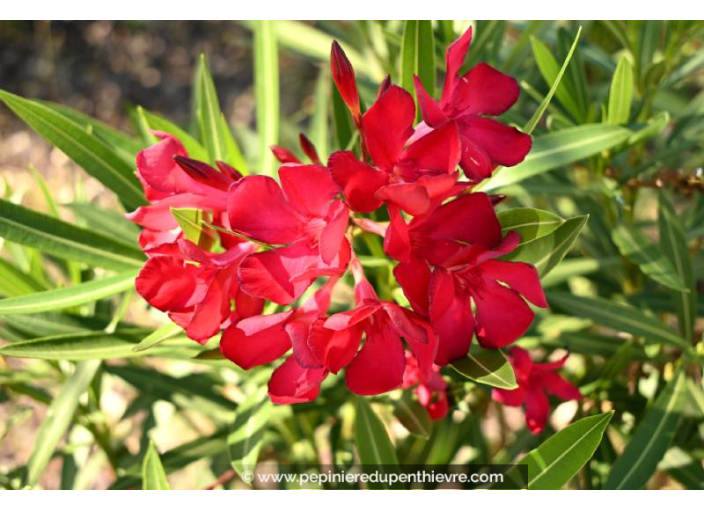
(157, 336)
(550, 71)
(319, 120)
(107, 221)
(63, 240)
(86, 150)
(617, 316)
(621, 93)
(651, 439)
(153, 474)
(560, 149)
(191, 222)
(487, 366)
(528, 223)
(413, 416)
(58, 418)
(674, 244)
(266, 88)
(650, 259)
(547, 251)
(418, 56)
(156, 123)
(58, 299)
(373, 444)
(246, 436)
(342, 120)
(559, 459)
(535, 119)
(13, 282)
(214, 132)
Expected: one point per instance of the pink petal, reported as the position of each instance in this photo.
(292, 384)
(387, 125)
(358, 181)
(257, 208)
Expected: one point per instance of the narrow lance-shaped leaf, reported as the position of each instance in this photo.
(533, 122)
(529, 223)
(153, 474)
(652, 438)
(58, 418)
(550, 71)
(58, 299)
(487, 366)
(674, 244)
(85, 149)
(412, 415)
(559, 459)
(547, 251)
(157, 336)
(617, 316)
(560, 149)
(418, 55)
(247, 433)
(266, 87)
(652, 261)
(63, 240)
(214, 131)
(156, 123)
(373, 443)
(621, 93)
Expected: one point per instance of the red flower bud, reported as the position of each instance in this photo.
(343, 75)
(309, 149)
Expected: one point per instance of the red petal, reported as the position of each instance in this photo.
(414, 278)
(308, 188)
(397, 241)
(292, 384)
(256, 341)
(407, 326)
(167, 284)
(257, 208)
(212, 311)
(513, 398)
(521, 277)
(436, 153)
(387, 126)
(309, 149)
(412, 198)
(343, 76)
(358, 181)
(334, 349)
(425, 353)
(522, 364)
(475, 162)
(275, 274)
(157, 168)
(505, 145)
(484, 91)
(556, 385)
(299, 331)
(333, 234)
(379, 366)
(429, 108)
(284, 155)
(537, 410)
(454, 58)
(502, 316)
(344, 320)
(451, 318)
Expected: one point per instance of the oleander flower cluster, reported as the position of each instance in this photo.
(271, 252)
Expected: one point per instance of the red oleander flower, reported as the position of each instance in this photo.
(196, 287)
(262, 339)
(467, 101)
(461, 240)
(379, 366)
(535, 382)
(430, 388)
(304, 216)
(171, 180)
(407, 175)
